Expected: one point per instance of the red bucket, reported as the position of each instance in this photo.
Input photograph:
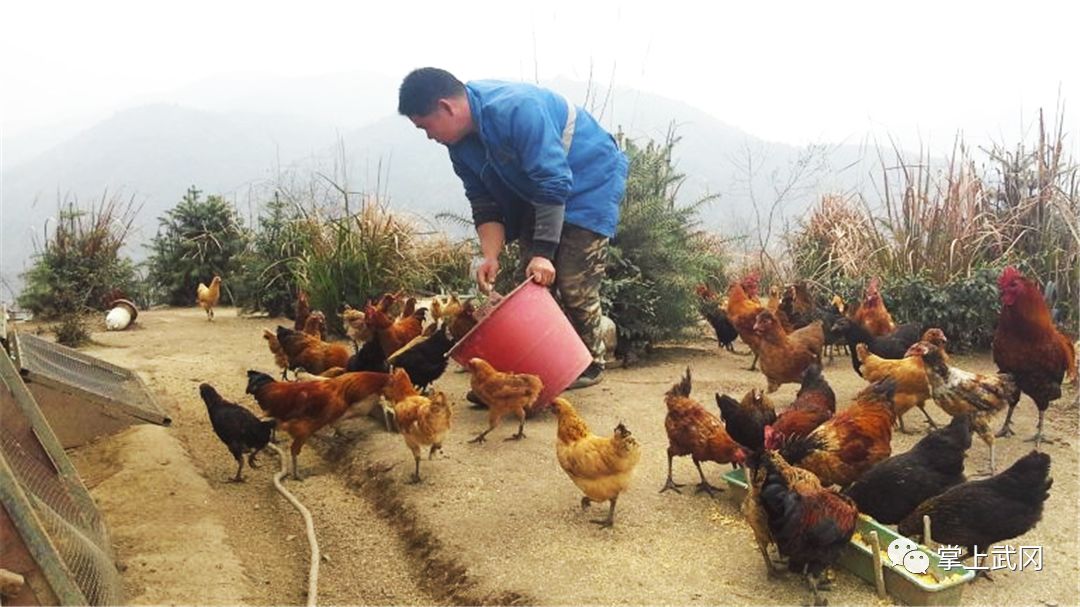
(527, 332)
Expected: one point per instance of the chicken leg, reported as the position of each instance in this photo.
(1006, 428)
(521, 427)
(607, 523)
(1038, 437)
(704, 484)
(670, 484)
(929, 420)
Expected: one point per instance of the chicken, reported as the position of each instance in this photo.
(237, 427)
(503, 393)
(814, 404)
(370, 357)
(987, 511)
(841, 449)
(1029, 346)
(425, 359)
(798, 306)
(394, 334)
(208, 296)
(784, 356)
(912, 389)
(302, 408)
(420, 420)
(745, 420)
(462, 321)
(280, 358)
(810, 524)
(315, 325)
(754, 511)
(601, 467)
(961, 392)
(693, 431)
(303, 310)
(742, 310)
(892, 345)
(711, 310)
(311, 353)
(872, 314)
(893, 488)
(355, 326)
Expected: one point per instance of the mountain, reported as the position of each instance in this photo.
(246, 137)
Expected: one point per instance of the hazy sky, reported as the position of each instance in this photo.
(790, 71)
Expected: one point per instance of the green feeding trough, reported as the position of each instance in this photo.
(937, 586)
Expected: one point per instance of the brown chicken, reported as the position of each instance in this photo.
(420, 420)
(311, 353)
(912, 389)
(601, 467)
(814, 404)
(961, 392)
(849, 443)
(208, 296)
(503, 393)
(693, 431)
(393, 334)
(303, 310)
(280, 358)
(872, 314)
(785, 356)
(315, 325)
(742, 310)
(302, 408)
(1029, 346)
(355, 327)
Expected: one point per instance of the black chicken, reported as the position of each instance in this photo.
(425, 361)
(892, 345)
(984, 512)
(237, 427)
(893, 488)
(809, 523)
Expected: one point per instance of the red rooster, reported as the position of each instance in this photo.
(1028, 346)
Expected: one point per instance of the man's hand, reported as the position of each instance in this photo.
(541, 270)
(486, 272)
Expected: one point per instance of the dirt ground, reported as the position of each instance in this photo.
(492, 523)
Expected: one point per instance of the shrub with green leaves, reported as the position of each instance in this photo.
(80, 267)
(657, 256)
(356, 257)
(196, 240)
(268, 275)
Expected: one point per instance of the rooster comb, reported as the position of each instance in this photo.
(1009, 274)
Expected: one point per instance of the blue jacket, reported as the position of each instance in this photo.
(516, 157)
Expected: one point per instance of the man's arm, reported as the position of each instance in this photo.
(544, 160)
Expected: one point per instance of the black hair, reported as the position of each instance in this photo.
(422, 89)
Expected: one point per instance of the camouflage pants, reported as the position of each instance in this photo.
(579, 269)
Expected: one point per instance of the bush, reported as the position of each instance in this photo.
(357, 257)
(965, 308)
(939, 240)
(80, 267)
(72, 330)
(268, 276)
(657, 256)
(196, 240)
